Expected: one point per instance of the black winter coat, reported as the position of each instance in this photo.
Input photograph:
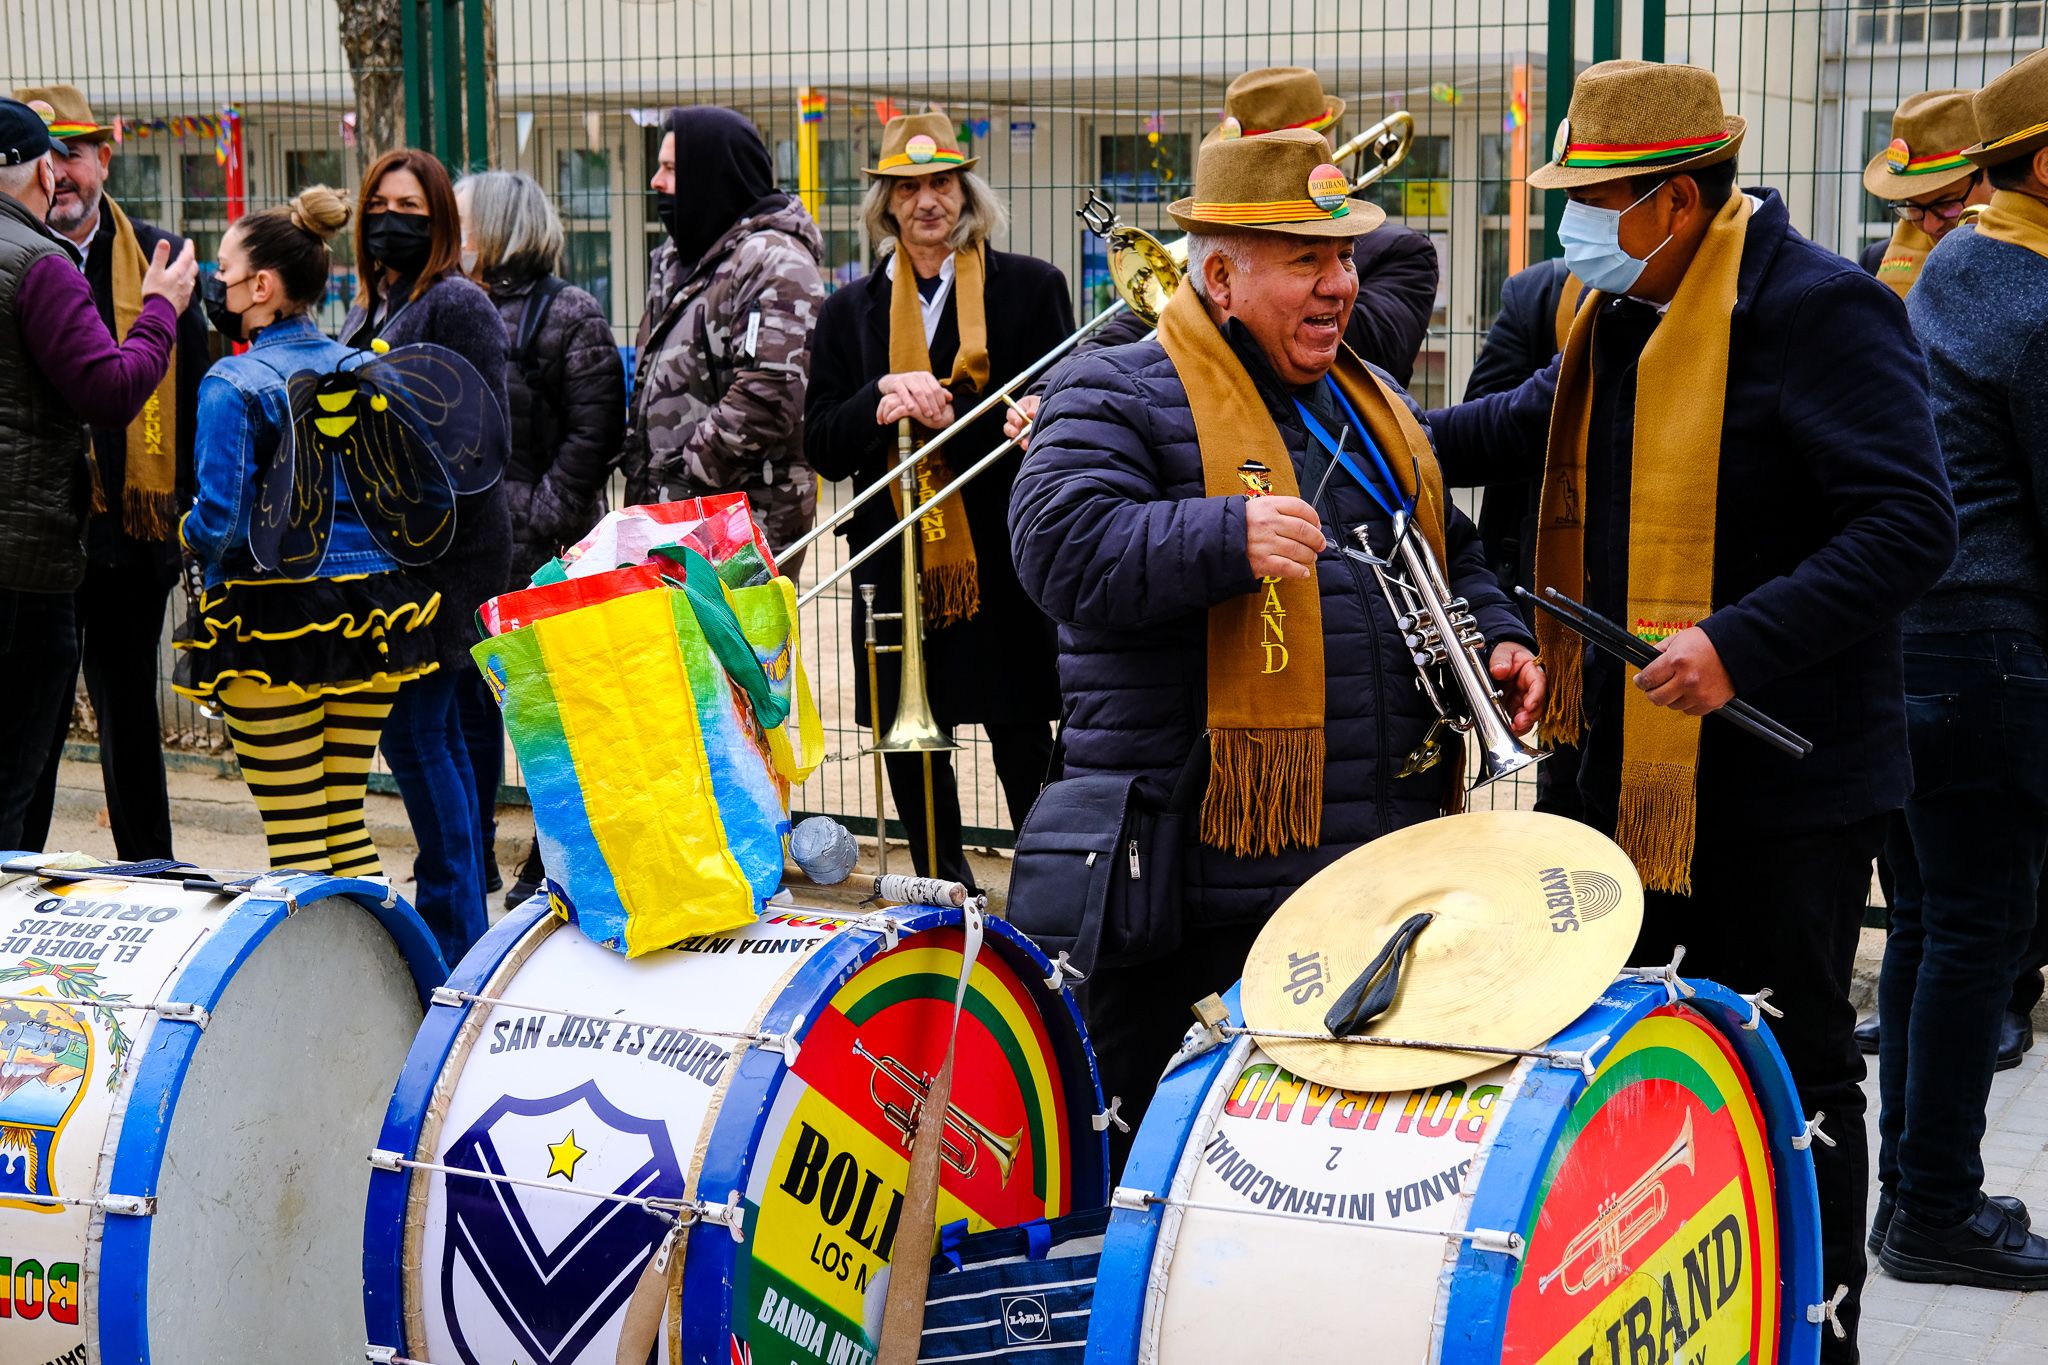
(1521, 342)
(1833, 516)
(1397, 279)
(457, 314)
(1116, 540)
(996, 667)
(568, 405)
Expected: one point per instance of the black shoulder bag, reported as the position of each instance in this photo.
(1097, 874)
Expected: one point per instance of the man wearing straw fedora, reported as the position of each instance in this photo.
(1183, 516)
(1926, 180)
(944, 320)
(1396, 266)
(1739, 465)
(1967, 858)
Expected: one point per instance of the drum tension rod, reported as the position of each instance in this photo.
(1102, 1121)
(784, 1043)
(1667, 976)
(683, 1213)
(1818, 1313)
(1511, 1244)
(1062, 972)
(1812, 1131)
(129, 1205)
(1564, 1060)
(183, 1010)
(1760, 1005)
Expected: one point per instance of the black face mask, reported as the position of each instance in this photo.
(213, 297)
(399, 240)
(665, 209)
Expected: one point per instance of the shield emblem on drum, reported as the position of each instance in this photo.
(45, 1058)
(554, 1265)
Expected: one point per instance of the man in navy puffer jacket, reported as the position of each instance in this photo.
(1115, 540)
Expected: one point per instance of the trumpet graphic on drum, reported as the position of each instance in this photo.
(1598, 1253)
(964, 1135)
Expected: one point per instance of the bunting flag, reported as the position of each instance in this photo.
(1443, 92)
(1518, 112)
(811, 106)
(885, 109)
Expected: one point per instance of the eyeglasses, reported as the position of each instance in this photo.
(1948, 210)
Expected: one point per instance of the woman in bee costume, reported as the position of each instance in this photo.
(322, 474)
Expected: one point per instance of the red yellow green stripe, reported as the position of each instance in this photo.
(1597, 154)
(1269, 211)
(944, 156)
(1933, 163)
(60, 130)
(1316, 124)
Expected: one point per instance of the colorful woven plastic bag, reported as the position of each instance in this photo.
(656, 821)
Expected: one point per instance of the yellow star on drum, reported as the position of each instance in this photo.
(564, 1155)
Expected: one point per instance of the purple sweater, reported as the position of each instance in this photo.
(106, 384)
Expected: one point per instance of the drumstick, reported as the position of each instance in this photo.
(1607, 635)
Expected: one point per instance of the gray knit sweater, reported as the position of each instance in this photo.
(1980, 309)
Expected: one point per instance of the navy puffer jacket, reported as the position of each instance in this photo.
(1117, 543)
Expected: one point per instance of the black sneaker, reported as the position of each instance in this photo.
(520, 894)
(1866, 1037)
(1882, 1220)
(2015, 1040)
(1989, 1249)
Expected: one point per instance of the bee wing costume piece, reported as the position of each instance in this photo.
(408, 431)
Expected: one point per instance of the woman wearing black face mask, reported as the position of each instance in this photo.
(718, 396)
(445, 742)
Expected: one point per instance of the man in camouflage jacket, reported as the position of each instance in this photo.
(724, 354)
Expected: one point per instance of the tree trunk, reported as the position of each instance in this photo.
(371, 36)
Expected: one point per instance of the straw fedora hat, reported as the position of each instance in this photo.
(71, 117)
(2012, 113)
(1533, 916)
(1275, 98)
(1276, 182)
(1639, 118)
(920, 144)
(1929, 134)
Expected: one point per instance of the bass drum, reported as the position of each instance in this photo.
(186, 1082)
(1644, 1193)
(764, 1080)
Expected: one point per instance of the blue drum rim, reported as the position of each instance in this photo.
(122, 1318)
(384, 1216)
(711, 1267)
(1521, 1147)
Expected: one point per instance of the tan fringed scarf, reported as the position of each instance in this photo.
(2017, 218)
(952, 581)
(1681, 390)
(1265, 669)
(1903, 257)
(149, 496)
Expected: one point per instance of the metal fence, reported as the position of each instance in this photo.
(233, 104)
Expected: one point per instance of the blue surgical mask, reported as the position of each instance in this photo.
(1591, 238)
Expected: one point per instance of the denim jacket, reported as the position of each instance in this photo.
(243, 416)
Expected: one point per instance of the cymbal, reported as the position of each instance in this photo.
(1534, 915)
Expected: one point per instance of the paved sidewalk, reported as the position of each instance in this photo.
(1936, 1322)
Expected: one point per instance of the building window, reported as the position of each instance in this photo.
(1421, 186)
(203, 187)
(1945, 25)
(1913, 26)
(137, 184)
(1877, 135)
(583, 183)
(587, 264)
(2026, 21)
(1145, 168)
(1983, 22)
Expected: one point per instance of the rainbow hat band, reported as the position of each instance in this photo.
(1602, 155)
(1899, 159)
(1270, 211)
(923, 151)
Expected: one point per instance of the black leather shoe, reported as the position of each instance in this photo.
(1882, 1219)
(1990, 1249)
(2015, 1038)
(520, 894)
(1866, 1037)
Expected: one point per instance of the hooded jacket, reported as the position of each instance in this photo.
(724, 358)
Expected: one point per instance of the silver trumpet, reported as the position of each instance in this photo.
(1444, 640)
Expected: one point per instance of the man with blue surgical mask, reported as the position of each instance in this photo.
(1739, 465)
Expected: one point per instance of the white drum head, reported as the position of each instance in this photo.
(256, 1248)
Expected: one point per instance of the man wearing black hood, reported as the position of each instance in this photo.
(732, 295)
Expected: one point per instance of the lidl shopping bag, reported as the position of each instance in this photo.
(659, 816)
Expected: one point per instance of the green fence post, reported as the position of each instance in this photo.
(1653, 30)
(1559, 70)
(476, 85)
(415, 61)
(447, 68)
(1606, 30)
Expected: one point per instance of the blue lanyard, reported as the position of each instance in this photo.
(1402, 502)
